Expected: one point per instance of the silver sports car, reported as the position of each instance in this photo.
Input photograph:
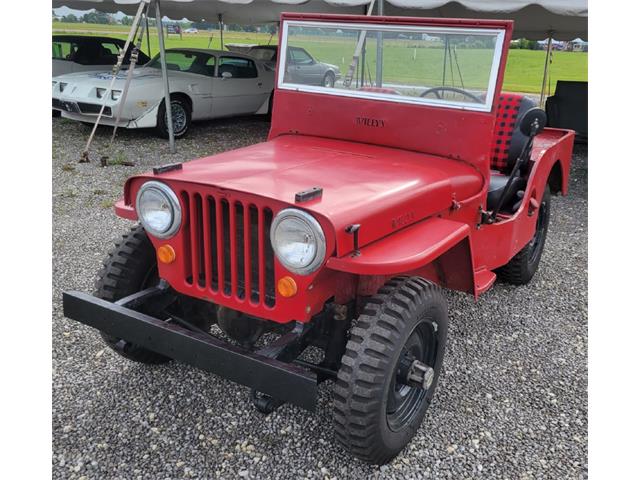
(204, 84)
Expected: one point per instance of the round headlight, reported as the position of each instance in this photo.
(298, 241)
(158, 209)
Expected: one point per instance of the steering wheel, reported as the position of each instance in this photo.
(436, 91)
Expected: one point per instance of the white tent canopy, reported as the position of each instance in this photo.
(534, 19)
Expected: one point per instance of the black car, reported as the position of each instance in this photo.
(79, 53)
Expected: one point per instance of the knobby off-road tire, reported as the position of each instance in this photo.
(374, 415)
(523, 266)
(129, 267)
(181, 117)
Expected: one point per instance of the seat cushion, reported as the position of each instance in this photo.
(497, 185)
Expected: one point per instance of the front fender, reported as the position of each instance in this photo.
(436, 248)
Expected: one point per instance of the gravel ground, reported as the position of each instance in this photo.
(512, 402)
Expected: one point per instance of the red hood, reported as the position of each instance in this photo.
(383, 189)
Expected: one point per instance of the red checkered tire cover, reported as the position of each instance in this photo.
(508, 108)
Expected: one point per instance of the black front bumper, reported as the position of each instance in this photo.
(284, 381)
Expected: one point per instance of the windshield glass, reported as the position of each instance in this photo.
(186, 61)
(452, 67)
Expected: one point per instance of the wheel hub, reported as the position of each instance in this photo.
(414, 373)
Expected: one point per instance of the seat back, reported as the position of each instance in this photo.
(508, 140)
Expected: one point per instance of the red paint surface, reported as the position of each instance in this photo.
(416, 186)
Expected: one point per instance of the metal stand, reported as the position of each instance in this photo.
(84, 157)
(165, 78)
(357, 54)
(379, 47)
(546, 67)
(221, 25)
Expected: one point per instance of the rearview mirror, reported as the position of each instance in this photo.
(533, 121)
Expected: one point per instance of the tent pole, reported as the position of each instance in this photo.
(379, 47)
(220, 24)
(546, 68)
(165, 78)
(146, 21)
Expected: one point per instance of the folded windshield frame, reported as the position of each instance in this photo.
(497, 33)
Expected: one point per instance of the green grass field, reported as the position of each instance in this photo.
(524, 67)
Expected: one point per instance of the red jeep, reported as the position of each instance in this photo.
(410, 173)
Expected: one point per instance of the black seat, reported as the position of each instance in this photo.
(508, 142)
(497, 184)
(568, 107)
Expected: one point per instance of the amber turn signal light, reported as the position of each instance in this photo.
(166, 254)
(287, 287)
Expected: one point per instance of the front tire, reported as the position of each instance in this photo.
(180, 116)
(524, 265)
(129, 267)
(375, 413)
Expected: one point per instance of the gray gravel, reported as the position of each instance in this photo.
(512, 402)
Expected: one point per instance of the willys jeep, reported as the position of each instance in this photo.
(322, 253)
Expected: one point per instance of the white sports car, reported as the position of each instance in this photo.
(204, 84)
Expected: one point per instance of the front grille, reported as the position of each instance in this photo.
(55, 103)
(94, 109)
(230, 249)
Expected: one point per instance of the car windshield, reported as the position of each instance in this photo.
(447, 66)
(186, 61)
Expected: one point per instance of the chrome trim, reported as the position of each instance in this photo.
(176, 210)
(321, 243)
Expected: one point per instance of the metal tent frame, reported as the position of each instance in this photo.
(551, 12)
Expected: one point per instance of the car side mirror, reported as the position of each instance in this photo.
(533, 121)
(226, 75)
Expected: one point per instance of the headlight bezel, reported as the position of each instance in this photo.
(318, 233)
(172, 199)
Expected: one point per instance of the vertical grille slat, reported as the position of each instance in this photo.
(219, 245)
(238, 283)
(226, 240)
(213, 242)
(206, 241)
(247, 252)
(255, 265)
(195, 221)
(230, 249)
(261, 264)
(233, 236)
(269, 271)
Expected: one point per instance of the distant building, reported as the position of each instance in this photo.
(430, 38)
(577, 45)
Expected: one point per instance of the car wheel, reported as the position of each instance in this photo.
(180, 116)
(55, 113)
(390, 369)
(523, 266)
(329, 80)
(129, 267)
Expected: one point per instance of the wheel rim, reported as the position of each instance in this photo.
(403, 401)
(328, 81)
(538, 238)
(178, 117)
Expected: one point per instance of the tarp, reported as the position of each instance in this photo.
(534, 19)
